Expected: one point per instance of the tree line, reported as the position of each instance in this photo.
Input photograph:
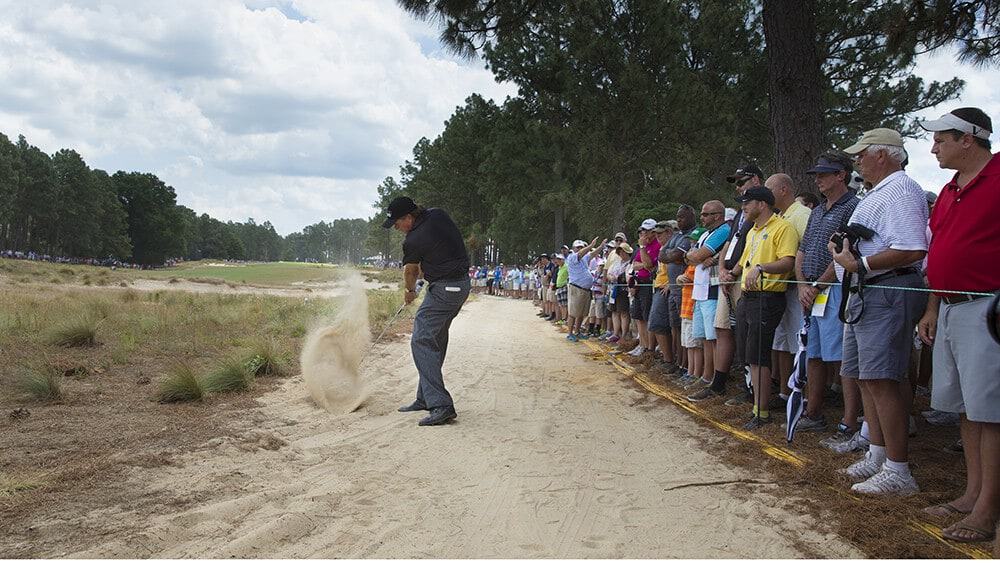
(59, 206)
(626, 108)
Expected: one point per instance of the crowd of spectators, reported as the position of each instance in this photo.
(112, 263)
(881, 286)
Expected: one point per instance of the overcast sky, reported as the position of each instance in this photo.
(284, 110)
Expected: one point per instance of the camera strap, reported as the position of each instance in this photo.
(846, 293)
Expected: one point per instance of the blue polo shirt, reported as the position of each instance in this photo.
(579, 273)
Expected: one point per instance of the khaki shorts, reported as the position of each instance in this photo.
(598, 309)
(550, 295)
(723, 313)
(579, 301)
(687, 335)
(786, 336)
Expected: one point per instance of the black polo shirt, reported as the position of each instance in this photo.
(436, 244)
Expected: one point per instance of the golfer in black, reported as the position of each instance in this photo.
(434, 247)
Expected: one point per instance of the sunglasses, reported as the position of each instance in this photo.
(711, 213)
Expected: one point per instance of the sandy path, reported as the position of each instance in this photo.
(573, 463)
(325, 289)
(299, 289)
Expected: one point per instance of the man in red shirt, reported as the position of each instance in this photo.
(963, 263)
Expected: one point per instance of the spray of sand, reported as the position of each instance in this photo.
(332, 354)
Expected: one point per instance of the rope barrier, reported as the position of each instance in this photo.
(799, 282)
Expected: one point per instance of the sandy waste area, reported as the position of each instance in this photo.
(570, 462)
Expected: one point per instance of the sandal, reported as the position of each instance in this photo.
(977, 535)
(944, 510)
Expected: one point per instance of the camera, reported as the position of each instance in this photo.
(852, 233)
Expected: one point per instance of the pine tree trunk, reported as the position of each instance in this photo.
(557, 237)
(794, 87)
(619, 218)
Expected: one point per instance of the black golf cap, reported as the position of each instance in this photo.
(745, 171)
(757, 194)
(397, 208)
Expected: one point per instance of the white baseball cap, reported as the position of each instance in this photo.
(648, 225)
(579, 243)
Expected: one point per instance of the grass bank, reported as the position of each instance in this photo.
(97, 382)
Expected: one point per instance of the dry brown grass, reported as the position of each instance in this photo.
(109, 421)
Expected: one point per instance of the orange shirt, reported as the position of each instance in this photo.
(687, 303)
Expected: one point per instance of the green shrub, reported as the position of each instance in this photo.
(232, 375)
(41, 384)
(266, 361)
(180, 385)
(75, 332)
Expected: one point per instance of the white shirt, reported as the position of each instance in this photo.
(896, 209)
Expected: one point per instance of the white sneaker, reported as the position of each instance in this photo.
(888, 482)
(863, 469)
(637, 351)
(855, 443)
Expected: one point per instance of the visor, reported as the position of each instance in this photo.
(951, 121)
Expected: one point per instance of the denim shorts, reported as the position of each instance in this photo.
(826, 333)
(704, 318)
(659, 314)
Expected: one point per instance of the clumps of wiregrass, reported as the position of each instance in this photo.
(41, 383)
(265, 360)
(232, 375)
(382, 305)
(75, 332)
(10, 486)
(181, 385)
(209, 281)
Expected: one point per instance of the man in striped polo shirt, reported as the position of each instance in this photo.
(877, 347)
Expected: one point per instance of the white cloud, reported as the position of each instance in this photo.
(283, 110)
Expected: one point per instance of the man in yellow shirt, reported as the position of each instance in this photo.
(767, 260)
(786, 336)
